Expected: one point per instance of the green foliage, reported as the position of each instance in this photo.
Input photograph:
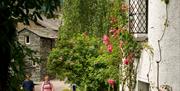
(23, 10)
(17, 68)
(66, 89)
(13, 11)
(17, 65)
(80, 54)
(81, 60)
(86, 16)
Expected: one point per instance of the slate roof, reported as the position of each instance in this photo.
(42, 32)
(48, 28)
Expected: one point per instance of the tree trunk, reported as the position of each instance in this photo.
(4, 66)
(7, 36)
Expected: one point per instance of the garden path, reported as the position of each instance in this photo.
(58, 85)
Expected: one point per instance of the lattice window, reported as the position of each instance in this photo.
(138, 16)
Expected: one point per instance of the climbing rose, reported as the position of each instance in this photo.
(125, 61)
(111, 82)
(120, 44)
(113, 20)
(116, 32)
(124, 7)
(105, 39)
(130, 56)
(112, 30)
(110, 47)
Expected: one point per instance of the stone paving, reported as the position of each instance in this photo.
(58, 85)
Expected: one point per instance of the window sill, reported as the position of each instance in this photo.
(141, 37)
(27, 43)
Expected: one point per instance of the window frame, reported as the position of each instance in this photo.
(27, 39)
(34, 64)
(132, 15)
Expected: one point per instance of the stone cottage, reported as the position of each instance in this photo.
(41, 39)
(157, 24)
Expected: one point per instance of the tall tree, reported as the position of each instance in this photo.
(11, 12)
(91, 16)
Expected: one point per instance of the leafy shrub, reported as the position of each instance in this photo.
(82, 61)
(87, 59)
(66, 89)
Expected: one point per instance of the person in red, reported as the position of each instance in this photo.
(47, 85)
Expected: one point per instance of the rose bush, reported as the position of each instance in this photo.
(95, 46)
(85, 61)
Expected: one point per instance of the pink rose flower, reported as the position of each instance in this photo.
(105, 39)
(110, 48)
(111, 82)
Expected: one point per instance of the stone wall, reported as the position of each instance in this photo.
(34, 44)
(46, 46)
(42, 46)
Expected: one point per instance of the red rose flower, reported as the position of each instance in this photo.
(125, 61)
(110, 48)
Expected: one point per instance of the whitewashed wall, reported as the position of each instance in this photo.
(170, 45)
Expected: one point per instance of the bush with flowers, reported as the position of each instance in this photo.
(94, 49)
(84, 61)
(128, 50)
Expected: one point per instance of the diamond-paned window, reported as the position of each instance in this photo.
(138, 16)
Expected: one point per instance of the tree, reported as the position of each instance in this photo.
(13, 11)
(91, 16)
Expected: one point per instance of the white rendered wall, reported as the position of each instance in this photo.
(170, 46)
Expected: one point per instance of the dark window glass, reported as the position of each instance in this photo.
(138, 16)
(27, 39)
